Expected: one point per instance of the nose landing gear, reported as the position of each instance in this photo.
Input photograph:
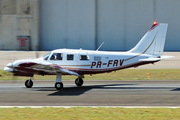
(29, 83)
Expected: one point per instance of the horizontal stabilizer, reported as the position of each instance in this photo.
(166, 57)
(155, 59)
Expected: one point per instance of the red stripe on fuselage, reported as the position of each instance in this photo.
(95, 71)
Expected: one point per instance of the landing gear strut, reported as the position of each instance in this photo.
(58, 84)
(29, 83)
(79, 81)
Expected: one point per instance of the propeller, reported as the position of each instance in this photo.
(37, 54)
(14, 78)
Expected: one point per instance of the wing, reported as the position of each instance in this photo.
(41, 67)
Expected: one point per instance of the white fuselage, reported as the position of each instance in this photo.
(96, 61)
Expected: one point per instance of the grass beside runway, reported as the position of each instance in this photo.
(88, 113)
(127, 74)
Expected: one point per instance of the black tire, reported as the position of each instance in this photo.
(29, 84)
(59, 85)
(79, 82)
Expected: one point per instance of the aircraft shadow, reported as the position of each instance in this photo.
(75, 91)
(177, 89)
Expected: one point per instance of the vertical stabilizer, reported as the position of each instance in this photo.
(153, 41)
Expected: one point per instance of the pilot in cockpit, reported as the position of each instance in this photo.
(56, 56)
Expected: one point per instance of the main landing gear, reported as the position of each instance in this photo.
(79, 81)
(58, 85)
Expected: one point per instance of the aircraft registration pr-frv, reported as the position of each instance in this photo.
(80, 62)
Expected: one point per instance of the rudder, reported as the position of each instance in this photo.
(153, 41)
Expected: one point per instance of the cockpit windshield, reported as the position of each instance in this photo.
(47, 56)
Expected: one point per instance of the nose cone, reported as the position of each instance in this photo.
(9, 67)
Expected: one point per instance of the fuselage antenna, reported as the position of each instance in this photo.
(100, 46)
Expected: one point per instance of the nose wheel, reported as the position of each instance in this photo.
(29, 83)
(79, 81)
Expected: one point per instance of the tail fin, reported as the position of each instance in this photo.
(153, 41)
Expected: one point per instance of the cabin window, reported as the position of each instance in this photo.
(97, 58)
(70, 57)
(84, 57)
(56, 56)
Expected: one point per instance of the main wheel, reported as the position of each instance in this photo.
(79, 82)
(59, 85)
(29, 83)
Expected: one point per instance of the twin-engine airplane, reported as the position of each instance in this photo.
(80, 62)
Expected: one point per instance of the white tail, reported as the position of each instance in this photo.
(153, 41)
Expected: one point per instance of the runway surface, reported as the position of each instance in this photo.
(92, 93)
